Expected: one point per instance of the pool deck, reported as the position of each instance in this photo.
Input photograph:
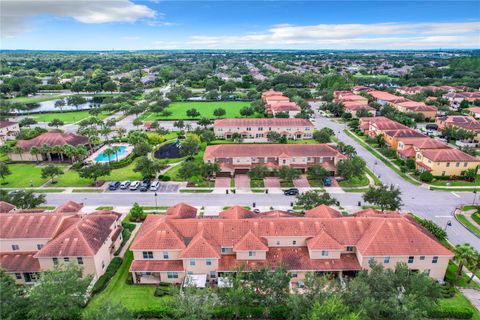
(128, 151)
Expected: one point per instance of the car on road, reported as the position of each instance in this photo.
(134, 185)
(155, 185)
(124, 185)
(291, 192)
(114, 185)
(144, 186)
(256, 210)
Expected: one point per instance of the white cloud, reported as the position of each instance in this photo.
(16, 13)
(350, 36)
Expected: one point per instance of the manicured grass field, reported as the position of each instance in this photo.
(467, 224)
(72, 179)
(132, 297)
(67, 117)
(206, 109)
(24, 176)
(355, 182)
(459, 301)
(457, 183)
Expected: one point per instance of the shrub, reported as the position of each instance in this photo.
(476, 217)
(450, 312)
(403, 169)
(166, 178)
(426, 176)
(163, 289)
(447, 291)
(129, 279)
(109, 273)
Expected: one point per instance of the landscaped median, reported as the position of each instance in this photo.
(470, 219)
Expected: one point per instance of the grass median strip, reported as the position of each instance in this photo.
(455, 189)
(467, 224)
(87, 190)
(48, 190)
(195, 190)
(381, 157)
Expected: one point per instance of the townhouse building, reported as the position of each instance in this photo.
(181, 245)
(468, 123)
(31, 242)
(456, 98)
(275, 102)
(239, 158)
(257, 129)
(392, 137)
(429, 112)
(445, 162)
(408, 147)
(352, 102)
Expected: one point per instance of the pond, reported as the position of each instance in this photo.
(168, 151)
(49, 106)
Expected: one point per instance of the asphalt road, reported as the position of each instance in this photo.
(437, 206)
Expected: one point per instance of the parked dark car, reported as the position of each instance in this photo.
(291, 192)
(431, 126)
(114, 185)
(144, 186)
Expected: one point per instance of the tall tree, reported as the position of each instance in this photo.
(387, 197)
(314, 198)
(51, 171)
(464, 253)
(94, 171)
(13, 303)
(148, 168)
(4, 171)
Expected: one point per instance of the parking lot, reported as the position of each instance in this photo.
(164, 187)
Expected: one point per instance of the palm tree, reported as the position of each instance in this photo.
(349, 151)
(93, 140)
(58, 149)
(108, 152)
(116, 149)
(34, 151)
(105, 132)
(474, 265)
(121, 132)
(463, 255)
(45, 149)
(69, 151)
(81, 152)
(18, 150)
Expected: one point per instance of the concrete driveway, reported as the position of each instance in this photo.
(301, 182)
(242, 181)
(222, 182)
(271, 182)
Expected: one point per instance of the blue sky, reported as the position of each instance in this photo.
(129, 24)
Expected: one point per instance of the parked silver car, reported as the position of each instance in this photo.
(155, 185)
(124, 185)
(134, 185)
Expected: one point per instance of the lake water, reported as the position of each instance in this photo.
(49, 106)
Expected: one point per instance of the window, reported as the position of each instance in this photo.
(66, 259)
(465, 164)
(79, 260)
(294, 242)
(457, 164)
(448, 164)
(278, 242)
(165, 254)
(410, 259)
(427, 272)
(189, 273)
(251, 253)
(18, 276)
(324, 253)
(386, 259)
(349, 248)
(192, 262)
(213, 274)
(226, 249)
(208, 262)
(172, 275)
(434, 259)
(422, 258)
(15, 247)
(147, 254)
(294, 275)
(370, 260)
(55, 261)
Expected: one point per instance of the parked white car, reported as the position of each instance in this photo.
(124, 185)
(154, 186)
(134, 185)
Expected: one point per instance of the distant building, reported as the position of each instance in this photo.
(474, 112)
(275, 102)
(257, 129)
(462, 122)
(239, 158)
(8, 130)
(445, 162)
(429, 112)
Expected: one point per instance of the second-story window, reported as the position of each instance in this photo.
(410, 259)
(55, 261)
(324, 253)
(350, 248)
(193, 262)
(80, 260)
(294, 242)
(165, 254)
(386, 259)
(434, 259)
(15, 247)
(252, 253)
(147, 254)
(39, 246)
(208, 262)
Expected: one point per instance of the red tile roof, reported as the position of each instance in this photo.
(156, 265)
(271, 93)
(404, 133)
(271, 150)
(83, 238)
(424, 143)
(385, 96)
(322, 211)
(263, 122)
(53, 138)
(323, 241)
(275, 214)
(69, 206)
(236, 212)
(293, 259)
(282, 106)
(250, 242)
(6, 207)
(201, 246)
(450, 154)
(19, 262)
(29, 225)
(182, 211)
(157, 232)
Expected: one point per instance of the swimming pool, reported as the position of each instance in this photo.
(102, 157)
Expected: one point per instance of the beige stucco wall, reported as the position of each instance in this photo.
(454, 168)
(88, 266)
(257, 130)
(24, 157)
(259, 255)
(157, 254)
(286, 241)
(23, 244)
(200, 266)
(317, 254)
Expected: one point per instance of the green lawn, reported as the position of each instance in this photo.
(45, 97)
(355, 182)
(257, 183)
(67, 117)
(461, 281)
(23, 176)
(315, 183)
(457, 183)
(206, 109)
(72, 179)
(459, 301)
(467, 224)
(133, 297)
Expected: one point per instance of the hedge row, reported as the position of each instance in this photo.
(126, 233)
(109, 273)
(451, 312)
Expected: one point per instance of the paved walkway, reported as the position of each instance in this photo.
(271, 182)
(242, 182)
(127, 244)
(222, 182)
(473, 295)
(301, 182)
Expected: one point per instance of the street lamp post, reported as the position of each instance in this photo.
(449, 224)
(156, 204)
(474, 196)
